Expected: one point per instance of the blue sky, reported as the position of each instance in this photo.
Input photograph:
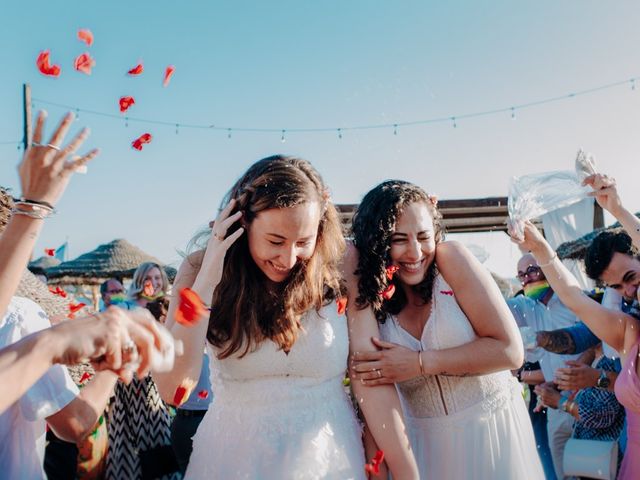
(293, 64)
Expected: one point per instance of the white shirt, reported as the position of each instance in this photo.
(22, 425)
(538, 316)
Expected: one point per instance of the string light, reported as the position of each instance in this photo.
(177, 128)
(394, 126)
(282, 139)
(126, 121)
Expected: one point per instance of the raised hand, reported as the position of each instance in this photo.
(46, 167)
(210, 272)
(576, 376)
(605, 191)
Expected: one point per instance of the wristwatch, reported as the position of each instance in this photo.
(603, 381)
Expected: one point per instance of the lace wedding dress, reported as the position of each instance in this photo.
(474, 427)
(282, 416)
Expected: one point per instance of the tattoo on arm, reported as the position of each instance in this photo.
(557, 341)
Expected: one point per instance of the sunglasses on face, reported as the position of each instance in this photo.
(531, 272)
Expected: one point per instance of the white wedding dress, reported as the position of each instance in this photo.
(282, 416)
(471, 428)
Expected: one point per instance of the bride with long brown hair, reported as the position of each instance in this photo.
(278, 341)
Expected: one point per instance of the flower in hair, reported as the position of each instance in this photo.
(391, 270)
(190, 309)
(388, 292)
(342, 305)
(374, 467)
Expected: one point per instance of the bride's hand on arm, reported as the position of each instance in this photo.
(200, 272)
(390, 364)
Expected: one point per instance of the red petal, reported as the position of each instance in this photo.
(168, 73)
(50, 251)
(148, 289)
(142, 139)
(447, 292)
(391, 270)
(85, 376)
(191, 309)
(84, 63)
(342, 305)
(125, 103)
(180, 396)
(137, 70)
(45, 67)
(74, 307)
(389, 291)
(379, 457)
(85, 35)
(203, 394)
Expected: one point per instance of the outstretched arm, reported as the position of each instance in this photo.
(608, 325)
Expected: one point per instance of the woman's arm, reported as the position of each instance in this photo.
(380, 405)
(499, 346)
(608, 325)
(606, 193)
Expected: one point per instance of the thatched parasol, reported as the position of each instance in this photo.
(33, 289)
(45, 262)
(577, 249)
(117, 259)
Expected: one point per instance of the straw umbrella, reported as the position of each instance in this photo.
(116, 259)
(45, 262)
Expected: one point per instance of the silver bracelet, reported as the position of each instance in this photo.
(551, 260)
(30, 213)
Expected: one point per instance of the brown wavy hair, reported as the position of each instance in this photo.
(373, 224)
(246, 309)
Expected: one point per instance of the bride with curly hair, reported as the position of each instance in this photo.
(425, 316)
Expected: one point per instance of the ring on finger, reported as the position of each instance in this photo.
(379, 372)
(217, 236)
(129, 347)
(55, 147)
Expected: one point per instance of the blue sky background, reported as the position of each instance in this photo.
(288, 64)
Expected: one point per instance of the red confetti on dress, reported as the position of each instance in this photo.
(168, 73)
(43, 64)
(85, 35)
(125, 103)
(137, 70)
(342, 305)
(203, 394)
(190, 309)
(447, 292)
(141, 140)
(389, 291)
(84, 63)
(374, 467)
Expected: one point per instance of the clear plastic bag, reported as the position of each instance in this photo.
(531, 196)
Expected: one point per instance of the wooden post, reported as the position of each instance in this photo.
(26, 111)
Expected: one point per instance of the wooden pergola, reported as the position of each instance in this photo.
(470, 215)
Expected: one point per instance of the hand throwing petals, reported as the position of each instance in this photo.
(168, 73)
(85, 35)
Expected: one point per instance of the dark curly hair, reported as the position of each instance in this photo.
(602, 248)
(373, 225)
